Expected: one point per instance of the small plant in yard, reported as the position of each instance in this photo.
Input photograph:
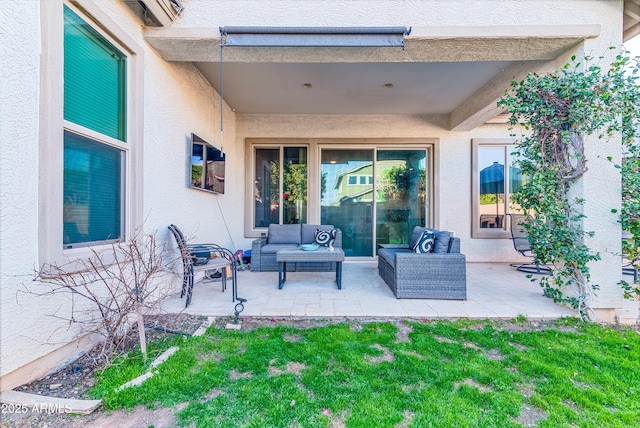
(386, 374)
(107, 288)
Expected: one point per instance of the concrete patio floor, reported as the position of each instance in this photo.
(493, 291)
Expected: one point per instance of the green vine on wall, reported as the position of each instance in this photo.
(558, 111)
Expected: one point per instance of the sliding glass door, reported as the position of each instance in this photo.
(373, 192)
(400, 194)
(346, 197)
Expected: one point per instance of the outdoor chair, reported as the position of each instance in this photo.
(631, 267)
(523, 246)
(439, 273)
(205, 258)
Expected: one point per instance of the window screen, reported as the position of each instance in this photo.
(94, 98)
(92, 189)
(94, 79)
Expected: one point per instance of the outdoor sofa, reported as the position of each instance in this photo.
(440, 274)
(283, 236)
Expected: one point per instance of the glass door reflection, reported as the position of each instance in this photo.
(400, 194)
(346, 197)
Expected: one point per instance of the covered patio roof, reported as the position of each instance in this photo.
(457, 72)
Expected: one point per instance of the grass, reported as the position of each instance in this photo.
(394, 374)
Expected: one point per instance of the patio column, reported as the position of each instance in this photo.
(601, 188)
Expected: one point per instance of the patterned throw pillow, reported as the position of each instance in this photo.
(325, 237)
(425, 242)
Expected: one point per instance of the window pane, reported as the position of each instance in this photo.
(295, 185)
(515, 181)
(348, 206)
(267, 187)
(214, 177)
(92, 191)
(400, 195)
(94, 79)
(197, 165)
(492, 186)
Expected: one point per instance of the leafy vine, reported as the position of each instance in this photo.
(557, 111)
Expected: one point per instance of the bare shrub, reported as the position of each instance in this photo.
(109, 288)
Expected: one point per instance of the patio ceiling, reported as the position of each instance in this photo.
(631, 22)
(458, 72)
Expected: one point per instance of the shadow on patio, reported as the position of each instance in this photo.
(493, 291)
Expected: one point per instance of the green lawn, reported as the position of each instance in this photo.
(394, 374)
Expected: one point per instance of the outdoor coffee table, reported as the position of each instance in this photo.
(298, 255)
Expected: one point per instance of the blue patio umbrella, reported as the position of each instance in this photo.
(492, 183)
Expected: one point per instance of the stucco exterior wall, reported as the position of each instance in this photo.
(20, 49)
(176, 101)
(416, 13)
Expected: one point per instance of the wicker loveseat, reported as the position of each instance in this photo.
(440, 274)
(281, 236)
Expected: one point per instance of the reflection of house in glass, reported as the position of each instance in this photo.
(355, 185)
(215, 176)
(212, 160)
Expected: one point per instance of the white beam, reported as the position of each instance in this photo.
(482, 106)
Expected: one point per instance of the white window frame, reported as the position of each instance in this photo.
(252, 168)
(476, 231)
(52, 124)
(315, 146)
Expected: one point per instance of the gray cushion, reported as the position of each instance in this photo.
(442, 242)
(309, 231)
(389, 254)
(284, 234)
(274, 248)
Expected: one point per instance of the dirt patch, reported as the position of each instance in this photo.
(527, 390)
(404, 329)
(408, 416)
(211, 395)
(250, 324)
(471, 345)
(235, 375)
(336, 420)
(292, 367)
(518, 346)
(473, 383)
(581, 385)
(141, 416)
(292, 337)
(572, 405)
(530, 416)
(494, 355)
(74, 380)
(413, 354)
(386, 355)
(444, 339)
